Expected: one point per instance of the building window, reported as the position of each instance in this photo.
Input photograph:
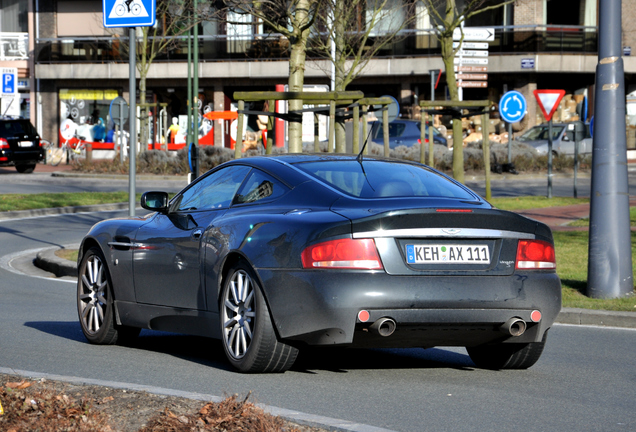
(13, 16)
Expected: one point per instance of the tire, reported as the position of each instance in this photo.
(25, 168)
(507, 355)
(248, 336)
(95, 302)
(54, 156)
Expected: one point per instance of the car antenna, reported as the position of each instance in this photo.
(359, 158)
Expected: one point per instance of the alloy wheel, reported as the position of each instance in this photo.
(239, 314)
(93, 301)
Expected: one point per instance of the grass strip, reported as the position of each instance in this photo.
(14, 202)
(572, 254)
(531, 202)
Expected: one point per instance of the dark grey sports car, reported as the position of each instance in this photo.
(270, 254)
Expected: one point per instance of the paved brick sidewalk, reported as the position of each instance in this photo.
(558, 217)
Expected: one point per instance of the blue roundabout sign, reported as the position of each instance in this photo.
(512, 107)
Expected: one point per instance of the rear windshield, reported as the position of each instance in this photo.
(379, 179)
(12, 128)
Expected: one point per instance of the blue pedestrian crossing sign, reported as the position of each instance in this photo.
(9, 81)
(129, 13)
(512, 107)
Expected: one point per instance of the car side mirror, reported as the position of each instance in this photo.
(155, 201)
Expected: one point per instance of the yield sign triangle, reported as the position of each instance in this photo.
(548, 101)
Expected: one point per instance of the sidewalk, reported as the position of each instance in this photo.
(557, 218)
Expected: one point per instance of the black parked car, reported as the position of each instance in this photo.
(20, 144)
(270, 254)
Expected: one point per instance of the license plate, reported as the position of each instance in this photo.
(25, 143)
(447, 254)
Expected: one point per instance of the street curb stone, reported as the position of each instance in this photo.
(60, 267)
(18, 214)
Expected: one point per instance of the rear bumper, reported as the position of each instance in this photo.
(10, 158)
(321, 308)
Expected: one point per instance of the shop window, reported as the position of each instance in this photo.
(85, 113)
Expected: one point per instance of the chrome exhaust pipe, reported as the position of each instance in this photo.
(514, 327)
(383, 327)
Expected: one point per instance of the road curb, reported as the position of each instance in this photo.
(60, 267)
(18, 214)
(597, 318)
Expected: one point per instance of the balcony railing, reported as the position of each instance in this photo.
(14, 46)
(264, 47)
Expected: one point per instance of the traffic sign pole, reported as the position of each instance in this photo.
(548, 101)
(132, 140)
(550, 158)
(512, 109)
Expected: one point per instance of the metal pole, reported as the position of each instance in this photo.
(132, 141)
(610, 255)
(577, 140)
(195, 85)
(189, 104)
(550, 158)
(509, 143)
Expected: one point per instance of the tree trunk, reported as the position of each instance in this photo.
(448, 58)
(297, 73)
(340, 85)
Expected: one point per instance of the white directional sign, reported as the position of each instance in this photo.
(474, 34)
(472, 53)
(129, 13)
(9, 81)
(471, 45)
(471, 61)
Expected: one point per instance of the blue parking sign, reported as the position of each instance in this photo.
(129, 13)
(9, 81)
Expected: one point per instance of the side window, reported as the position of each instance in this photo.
(213, 191)
(259, 186)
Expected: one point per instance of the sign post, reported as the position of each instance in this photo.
(512, 109)
(548, 101)
(131, 14)
(10, 91)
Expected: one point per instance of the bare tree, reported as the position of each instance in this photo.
(293, 19)
(446, 16)
(174, 18)
(352, 32)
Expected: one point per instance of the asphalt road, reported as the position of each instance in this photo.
(583, 382)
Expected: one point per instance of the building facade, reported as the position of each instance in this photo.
(74, 67)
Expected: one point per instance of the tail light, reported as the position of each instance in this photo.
(419, 140)
(535, 254)
(343, 254)
(4, 144)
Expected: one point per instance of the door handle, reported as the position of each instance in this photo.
(197, 233)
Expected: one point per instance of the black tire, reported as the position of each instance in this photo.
(25, 168)
(248, 336)
(507, 355)
(95, 302)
